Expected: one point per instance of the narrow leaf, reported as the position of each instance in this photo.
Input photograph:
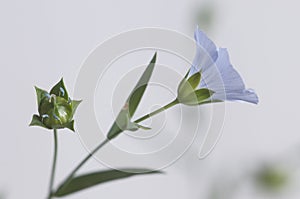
(138, 91)
(88, 180)
(122, 121)
(115, 130)
(60, 90)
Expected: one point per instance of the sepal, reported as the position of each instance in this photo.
(36, 121)
(60, 90)
(70, 126)
(74, 105)
(196, 97)
(41, 94)
(188, 85)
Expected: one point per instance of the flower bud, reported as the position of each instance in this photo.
(56, 109)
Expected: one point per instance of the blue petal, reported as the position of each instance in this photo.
(225, 81)
(247, 95)
(206, 53)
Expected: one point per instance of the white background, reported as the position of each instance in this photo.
(42, 41)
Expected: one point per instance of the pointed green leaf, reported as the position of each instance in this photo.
(40, 94)
(60, 90)
(120, 124)
(75, 104)
(114, 131)
(138, 91)
(122, 121)
(88, 180)
(36, 121)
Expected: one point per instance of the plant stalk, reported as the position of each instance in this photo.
(53, 164)
(174, 102)
(103, 143)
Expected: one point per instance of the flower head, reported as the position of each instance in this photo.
(56, 109)
(212, 73)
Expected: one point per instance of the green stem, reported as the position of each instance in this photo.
(174, 102)
(53, 165)
(69, 178)
(103, 143)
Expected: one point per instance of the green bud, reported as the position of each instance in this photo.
(56, 109)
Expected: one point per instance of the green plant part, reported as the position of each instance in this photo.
(272, 178)
(188, 92)
(123, 121)
(56, 109)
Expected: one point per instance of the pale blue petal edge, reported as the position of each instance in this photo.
(206, 52)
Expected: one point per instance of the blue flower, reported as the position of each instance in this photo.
(217, 73)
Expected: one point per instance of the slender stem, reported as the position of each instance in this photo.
(69, 178)
(174, 102)
(103, 143)
(53, 165)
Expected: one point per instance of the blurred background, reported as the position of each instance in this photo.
(258, 153)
